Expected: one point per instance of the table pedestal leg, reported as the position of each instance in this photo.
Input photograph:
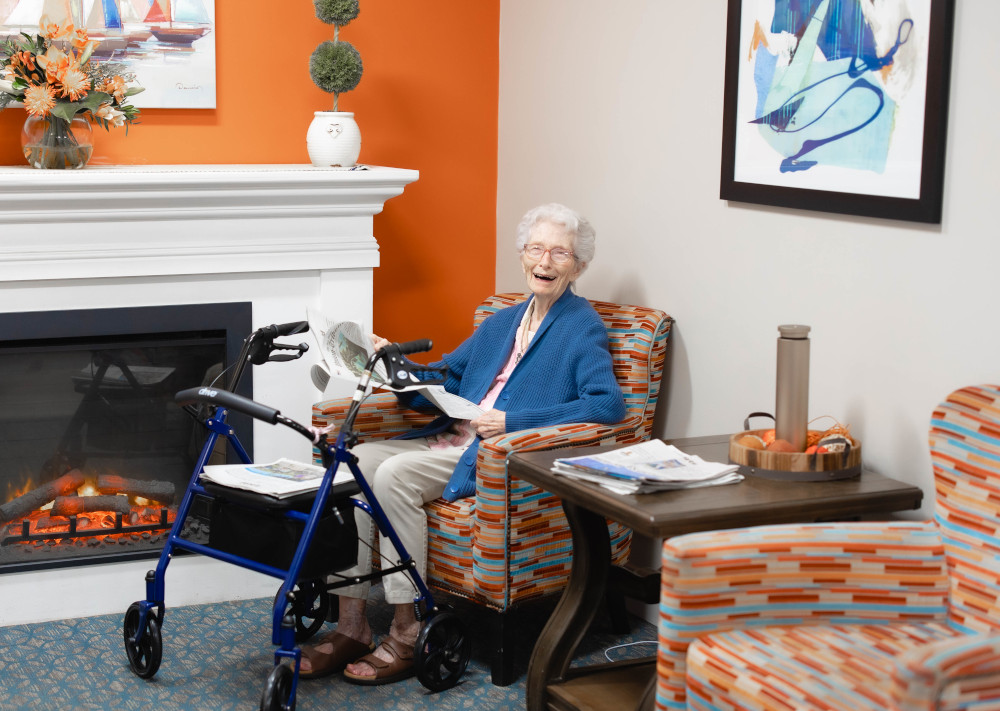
(577, 607)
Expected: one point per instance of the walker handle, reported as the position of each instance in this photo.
(224, 398)
(418, 346)
(285, 329)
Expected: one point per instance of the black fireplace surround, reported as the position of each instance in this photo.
(94, 453)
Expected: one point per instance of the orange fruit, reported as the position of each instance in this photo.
(781, 445)
(751, 441)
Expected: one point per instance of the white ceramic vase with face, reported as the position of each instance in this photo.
(333, 139)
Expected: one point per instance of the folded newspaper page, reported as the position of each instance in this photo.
(346, 348)
(647, 466)
(280, 479)
(450, 404)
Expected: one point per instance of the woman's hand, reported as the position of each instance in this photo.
(491, 423)
(379, 342)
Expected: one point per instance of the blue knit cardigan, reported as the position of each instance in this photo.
(564, 376)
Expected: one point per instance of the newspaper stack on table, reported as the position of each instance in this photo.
(648, 466)
(279, 479)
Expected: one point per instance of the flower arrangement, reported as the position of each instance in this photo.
(335, 66)
(53, 76)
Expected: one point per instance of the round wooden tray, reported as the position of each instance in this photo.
(797, 466)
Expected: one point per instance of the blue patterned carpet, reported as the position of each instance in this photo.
(218, 657)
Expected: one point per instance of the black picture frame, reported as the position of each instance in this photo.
(926, 207)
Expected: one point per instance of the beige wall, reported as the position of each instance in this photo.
(616, 109)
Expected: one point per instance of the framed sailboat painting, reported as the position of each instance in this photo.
(838, 105)
(168, 44)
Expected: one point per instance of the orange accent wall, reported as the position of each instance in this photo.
(427, 101)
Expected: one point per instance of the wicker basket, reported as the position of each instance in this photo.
(796, 466)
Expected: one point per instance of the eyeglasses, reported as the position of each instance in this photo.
(558, 254)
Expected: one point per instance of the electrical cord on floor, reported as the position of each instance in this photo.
(621, 646)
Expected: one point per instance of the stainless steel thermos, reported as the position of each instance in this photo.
(791, 408)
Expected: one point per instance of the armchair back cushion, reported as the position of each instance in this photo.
(965, 452)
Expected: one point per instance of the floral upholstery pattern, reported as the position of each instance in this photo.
(852, 616)
(511, 542)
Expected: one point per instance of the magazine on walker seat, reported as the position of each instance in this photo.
(346, 348)
(647, 466)
(280, 479)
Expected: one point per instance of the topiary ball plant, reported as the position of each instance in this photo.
(335, 66)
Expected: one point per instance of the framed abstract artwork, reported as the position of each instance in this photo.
(168, 44)
(838, 105)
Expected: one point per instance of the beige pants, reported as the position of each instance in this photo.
(404, 475)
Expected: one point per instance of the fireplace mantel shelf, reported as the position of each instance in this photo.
(121, 221)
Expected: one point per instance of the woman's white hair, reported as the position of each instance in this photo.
(584, 236)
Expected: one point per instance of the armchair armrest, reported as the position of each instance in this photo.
(967, 666)
(519, 531)
(381, 417)
(794, 574)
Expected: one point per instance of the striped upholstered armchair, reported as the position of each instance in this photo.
(510, 543)
(849, 616)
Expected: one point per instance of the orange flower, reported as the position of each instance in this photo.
(65, 77)
(23, 59)
(81, 39)
(111, 115)
(53, 61)
(24, 65)
(115, 86)
(74, 83)
(39, 100)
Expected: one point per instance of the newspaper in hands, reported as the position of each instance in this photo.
(346, 348)
(450, 404)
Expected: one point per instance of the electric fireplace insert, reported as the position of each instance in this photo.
(94, 453)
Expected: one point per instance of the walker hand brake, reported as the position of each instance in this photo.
(260, 344)
(403, 372)
(299, 350)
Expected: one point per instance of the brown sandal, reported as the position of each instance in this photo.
(345, 650)
(401, 667)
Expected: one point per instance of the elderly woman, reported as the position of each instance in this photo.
(542, 362)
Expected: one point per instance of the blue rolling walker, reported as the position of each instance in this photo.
(302, 540)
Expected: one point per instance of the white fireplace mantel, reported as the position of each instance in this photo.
(116, 221)
(285, 238)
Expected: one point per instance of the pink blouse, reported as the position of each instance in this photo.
(461, 433)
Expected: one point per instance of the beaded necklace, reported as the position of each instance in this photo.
(525, 333)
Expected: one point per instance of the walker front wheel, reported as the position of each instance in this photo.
(278, 690)
(442, 651)
(143, 656)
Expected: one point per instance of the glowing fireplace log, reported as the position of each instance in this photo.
(70, 505)
(162, 491)
(36, 498)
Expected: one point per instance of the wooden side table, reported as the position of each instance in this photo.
(551, 684)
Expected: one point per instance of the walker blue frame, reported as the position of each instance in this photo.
(442, 649)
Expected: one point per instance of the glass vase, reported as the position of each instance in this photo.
(53, 142)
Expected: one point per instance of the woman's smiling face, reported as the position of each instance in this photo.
(546, 279)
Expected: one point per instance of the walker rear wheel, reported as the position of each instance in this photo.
(143, 656)
(442, 651)
(278, 690)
